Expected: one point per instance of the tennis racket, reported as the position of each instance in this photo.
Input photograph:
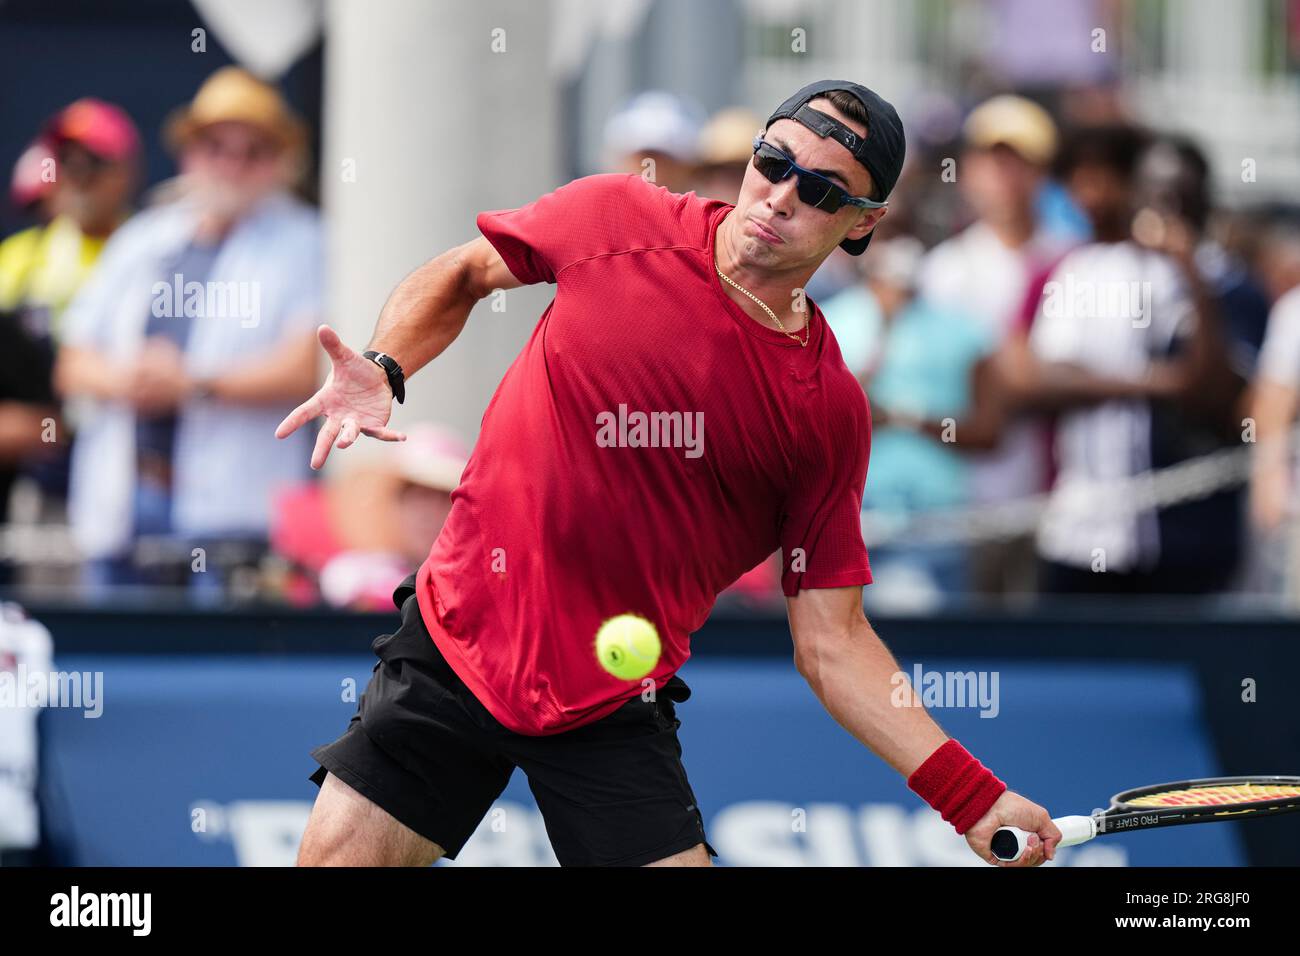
(1210, 800)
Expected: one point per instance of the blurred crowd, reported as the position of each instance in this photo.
(1084, 370)
(149, 355)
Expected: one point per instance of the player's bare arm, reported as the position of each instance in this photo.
(853, 674)
(429, 308)
(424, 315)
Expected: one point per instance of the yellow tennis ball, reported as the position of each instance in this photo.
(628, 646)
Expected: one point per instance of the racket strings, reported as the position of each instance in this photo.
(1217, 795)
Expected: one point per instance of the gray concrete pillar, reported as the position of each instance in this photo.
(434, 111)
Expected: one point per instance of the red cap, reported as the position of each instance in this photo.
(100, 127)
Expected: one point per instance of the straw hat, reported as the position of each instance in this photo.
(728, 138)
(234, 95)
(1016, 122)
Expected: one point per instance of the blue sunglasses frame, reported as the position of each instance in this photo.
(842, 196)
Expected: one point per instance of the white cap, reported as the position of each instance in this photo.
(655, 121)
(432, 455)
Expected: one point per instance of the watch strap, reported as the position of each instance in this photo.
(396, 377)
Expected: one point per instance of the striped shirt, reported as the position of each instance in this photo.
(1109, 308)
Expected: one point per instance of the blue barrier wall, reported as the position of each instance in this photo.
(202, 759)
(201, 753)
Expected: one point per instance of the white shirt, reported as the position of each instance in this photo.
(978, 275)
(1279, 358)
(1108, 308)
(25, 645)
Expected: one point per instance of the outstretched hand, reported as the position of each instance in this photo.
(356, 399)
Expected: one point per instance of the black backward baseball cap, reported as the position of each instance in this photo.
(881, 151)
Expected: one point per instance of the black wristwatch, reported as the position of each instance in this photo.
(396, 378)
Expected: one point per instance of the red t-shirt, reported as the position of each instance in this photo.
(572, 510)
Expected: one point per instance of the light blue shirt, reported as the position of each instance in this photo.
(924, 359)
(265, 285)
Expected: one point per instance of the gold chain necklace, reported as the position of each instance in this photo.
(734, 284)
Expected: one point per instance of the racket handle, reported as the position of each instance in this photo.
(1009, 842)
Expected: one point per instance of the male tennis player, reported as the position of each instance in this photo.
(679, 413)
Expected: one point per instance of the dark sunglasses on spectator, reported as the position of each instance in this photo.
(813, 188)
(79, 163)
(256, 151)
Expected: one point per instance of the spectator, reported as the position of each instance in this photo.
(32, 182)
(80, 175)
(918, 364)
(96, 151)
(190, 343)
(1126, 323)
(985, 272)
(655, 135)
(726, 147)
(1275, 404)
(352, 539)
(1173, 183)
(423, 471)
(840, 270)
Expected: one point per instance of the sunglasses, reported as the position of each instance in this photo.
(79, 163)
(252, 152)
(813, 188)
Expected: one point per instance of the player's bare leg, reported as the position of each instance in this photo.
(695, 856)
(346, 829)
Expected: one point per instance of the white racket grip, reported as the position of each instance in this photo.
(1074, 830)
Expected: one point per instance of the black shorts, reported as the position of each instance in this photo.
(421, 746)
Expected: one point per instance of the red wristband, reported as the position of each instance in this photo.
(957, 785)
